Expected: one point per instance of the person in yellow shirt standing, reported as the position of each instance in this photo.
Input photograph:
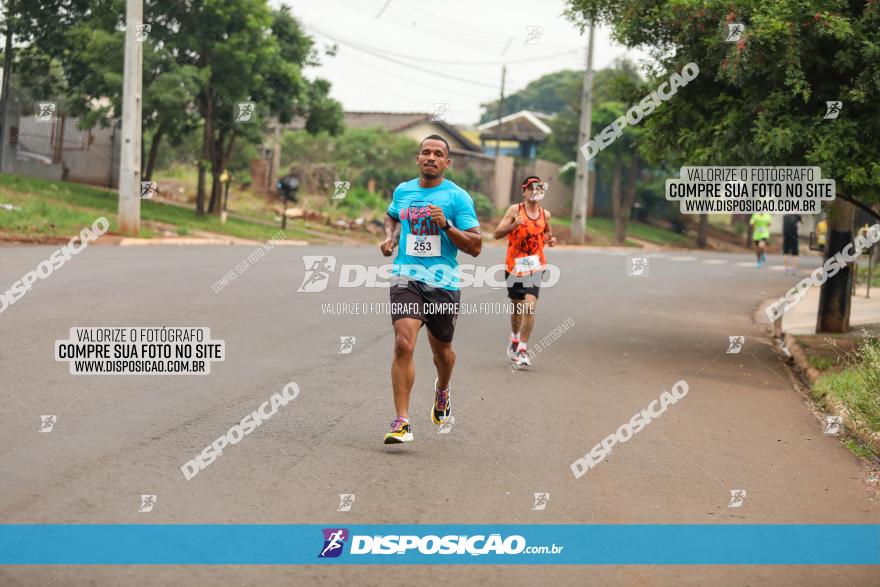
(821, 232)
(760, 235)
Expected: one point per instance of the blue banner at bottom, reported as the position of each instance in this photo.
(555, 544)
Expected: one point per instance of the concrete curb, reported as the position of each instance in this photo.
(831, 405)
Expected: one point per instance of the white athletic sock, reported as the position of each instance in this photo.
(514, 337)
(522, 346)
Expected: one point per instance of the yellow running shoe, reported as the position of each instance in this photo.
(399, 432)
(442, 404)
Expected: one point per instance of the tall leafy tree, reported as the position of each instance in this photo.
(762, 100)
(201, 58)
(248, 53)
(545, 94)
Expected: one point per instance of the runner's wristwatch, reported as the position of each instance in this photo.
(448, 225)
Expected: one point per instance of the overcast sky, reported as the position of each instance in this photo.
(417, 54)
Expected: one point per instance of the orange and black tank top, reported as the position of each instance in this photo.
(525, 244)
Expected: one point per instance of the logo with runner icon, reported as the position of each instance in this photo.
(334, 540)
(317, 275)
(637, 267)
(47, 423)
(541, 501)
(346, 501)
(735, 344)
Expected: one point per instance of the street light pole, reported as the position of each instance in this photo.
(130, 155)
(581, 184)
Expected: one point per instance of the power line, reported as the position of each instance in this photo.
(439, 34)
(480, 63)
(455, 27)
(384, 6)
(458, 28)
(386, 72)
(399, 62)
(450, 61)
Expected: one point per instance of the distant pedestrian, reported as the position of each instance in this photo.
(822, 231)
(761, 235)
(790, 242)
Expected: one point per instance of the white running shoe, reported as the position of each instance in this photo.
(522, 359)
(511, 351)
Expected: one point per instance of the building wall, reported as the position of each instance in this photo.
(57, 149)
(503, 181)
(559, 195)
(419, 131)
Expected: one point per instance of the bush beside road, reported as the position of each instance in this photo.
(844, 374)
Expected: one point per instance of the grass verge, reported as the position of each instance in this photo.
(50, 208)
(857, 385)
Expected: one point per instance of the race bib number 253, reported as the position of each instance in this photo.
(423, 246)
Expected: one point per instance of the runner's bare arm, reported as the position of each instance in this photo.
(392, 234)
(470, 241)
(551, 240)
(508, 223)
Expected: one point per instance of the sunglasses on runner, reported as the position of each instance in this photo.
(539, 189)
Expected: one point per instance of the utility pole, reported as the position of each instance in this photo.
(581, 184)
(500, 114)
(130, 155)
(7, 75)
(500, 197)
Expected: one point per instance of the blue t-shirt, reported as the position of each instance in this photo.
(410, 205)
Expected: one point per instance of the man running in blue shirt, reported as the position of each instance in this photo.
(431, 219)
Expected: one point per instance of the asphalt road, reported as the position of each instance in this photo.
(741, 426)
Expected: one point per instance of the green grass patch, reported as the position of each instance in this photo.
(653, 234)
(859, 449)
(858, 385)
(820, 363)
(602, 231)
(52, 208)
(862, 276)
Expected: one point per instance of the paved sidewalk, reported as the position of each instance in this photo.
(802, 318)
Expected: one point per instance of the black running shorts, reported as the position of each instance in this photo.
(519, 286)
(435, 306)
(790, 244)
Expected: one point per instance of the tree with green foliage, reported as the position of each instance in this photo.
(613, 84)
(762, 100)
(545, 94)
(615, 89)
(357, 155)
(249, 53)
(201, 58)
